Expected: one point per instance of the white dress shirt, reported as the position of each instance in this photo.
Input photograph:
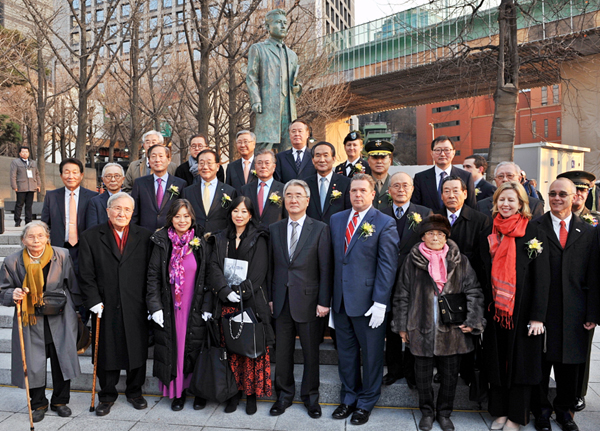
(327, 182)
(302, 153)
(298, 229)
(556, 224)
(212, 189)
(67, 215)
(438, 171)
(266, 191)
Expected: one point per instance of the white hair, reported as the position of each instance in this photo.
(161, 138)
(110, 165)
(120, 195)
(513, 164)
(32, 224)
(298, 183)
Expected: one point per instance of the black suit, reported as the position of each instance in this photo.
(53, 214)
(332, 206)
(235, 175)
(296, 287)
(216, 219)
(96, 210)
(426, 190)
(271, 212)
(341, 168)
(183, 172)
(147, 212)
(483, 190)
(286, 166)
(399, 364)
(535, 205)
(573, 300)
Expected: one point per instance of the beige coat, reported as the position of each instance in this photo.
(18, 176)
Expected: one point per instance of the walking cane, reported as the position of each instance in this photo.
(20, 320)
(92, 408)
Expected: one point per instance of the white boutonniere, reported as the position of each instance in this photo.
(225, 200)
(195, 243)
(415, 219)
(174, 190)
(275, 199)
(590, 219)
(534, 248)
(366, 230)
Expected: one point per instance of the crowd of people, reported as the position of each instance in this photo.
(414, 273)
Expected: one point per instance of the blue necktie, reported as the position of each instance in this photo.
(298, 160)
(399, 212)
(442, 176)
(323, 192)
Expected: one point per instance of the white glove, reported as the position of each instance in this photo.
(98, 309)
(206, 315)
(377, 313)
(158, 317)
(233, 297)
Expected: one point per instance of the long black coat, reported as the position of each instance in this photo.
(255, 249)
(160, 297)
(120, 283)
(574, 292)
(524, 353)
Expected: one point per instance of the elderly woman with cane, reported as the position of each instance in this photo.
(41, 280)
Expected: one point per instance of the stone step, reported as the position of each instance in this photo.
(10, 239)
(7, 250)
(397, 395)
(6, 317)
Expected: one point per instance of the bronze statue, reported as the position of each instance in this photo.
(272, 83)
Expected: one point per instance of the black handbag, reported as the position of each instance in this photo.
(246, 338)
(213, 378)
(54, 303)
(479, 386)
(453, 308)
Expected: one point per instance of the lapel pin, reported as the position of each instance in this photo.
(577, 230)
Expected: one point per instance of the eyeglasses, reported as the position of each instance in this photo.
(111, 177)
(397, 187)
(197, 146)
(263, 163)
(563, 195)
(290, 197)
(442, 150)
(121, 210)
(203, 163)
(432, 234)
(244, 142)
(507, 176)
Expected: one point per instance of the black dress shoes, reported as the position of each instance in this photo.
(426, 423)
(389, 379)
(569, 425)
(579, 404)
(103, 409)
(360, 417)
(542, 424)
(38, 414)
(177, 403)
(342, 411)
(437, 378)
(314, 411)
(138, 403)
(199, 403)
(279, 408)
(62, 410)
(445, 423)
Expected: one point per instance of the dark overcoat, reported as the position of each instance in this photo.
(524, 352)
(574, 296)
(160, 297)
(413, 304)
(120, 283)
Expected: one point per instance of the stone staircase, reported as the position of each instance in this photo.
(398, 394)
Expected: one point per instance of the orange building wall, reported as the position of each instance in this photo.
(475, 116)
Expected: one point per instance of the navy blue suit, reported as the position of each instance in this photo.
(332, 206)
(363, 275)
(235, 175)
(53, 214)
(286, 166)
(96, 211)
(426, 191)
(484, 190)
(147, 214)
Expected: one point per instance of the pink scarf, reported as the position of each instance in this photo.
(176, 269)
(437, 268)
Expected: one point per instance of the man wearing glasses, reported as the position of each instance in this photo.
(210, 198)
(113, 176)
(240, 171)
(428, 190)
(188, 170)
(509, 171)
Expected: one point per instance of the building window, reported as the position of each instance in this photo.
(180, 2)
(125, 10)
(167, 39)
(73, 21)
(555, 95)
(445, 108)
(181, 37)
(167, 3)
(534, 128)
(167, 21)
(446, 124)
(75, 4)
(558, 127)
(544, 96)
(153, 5)
(74, 38)
(546, 128)
(126, 47)
(154, 42)
(180, 18)
(112, 30)
(100, 15)
(88, 17)
(153, 23)
(454, 138)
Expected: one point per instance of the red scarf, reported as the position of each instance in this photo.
(504, 265)
(121, 241)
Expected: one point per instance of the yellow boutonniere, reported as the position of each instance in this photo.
(225, 200)
(274, 198)
(195, 243)
(366, 230)
(415, 219)
(335, 194)
(534, 248)
(174, 190)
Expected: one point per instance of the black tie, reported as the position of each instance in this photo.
(298, 161)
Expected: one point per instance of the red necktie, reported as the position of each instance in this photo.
(563, 234)
(261, 197)
(350, 230)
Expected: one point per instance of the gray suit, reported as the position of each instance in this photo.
(24, 186)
